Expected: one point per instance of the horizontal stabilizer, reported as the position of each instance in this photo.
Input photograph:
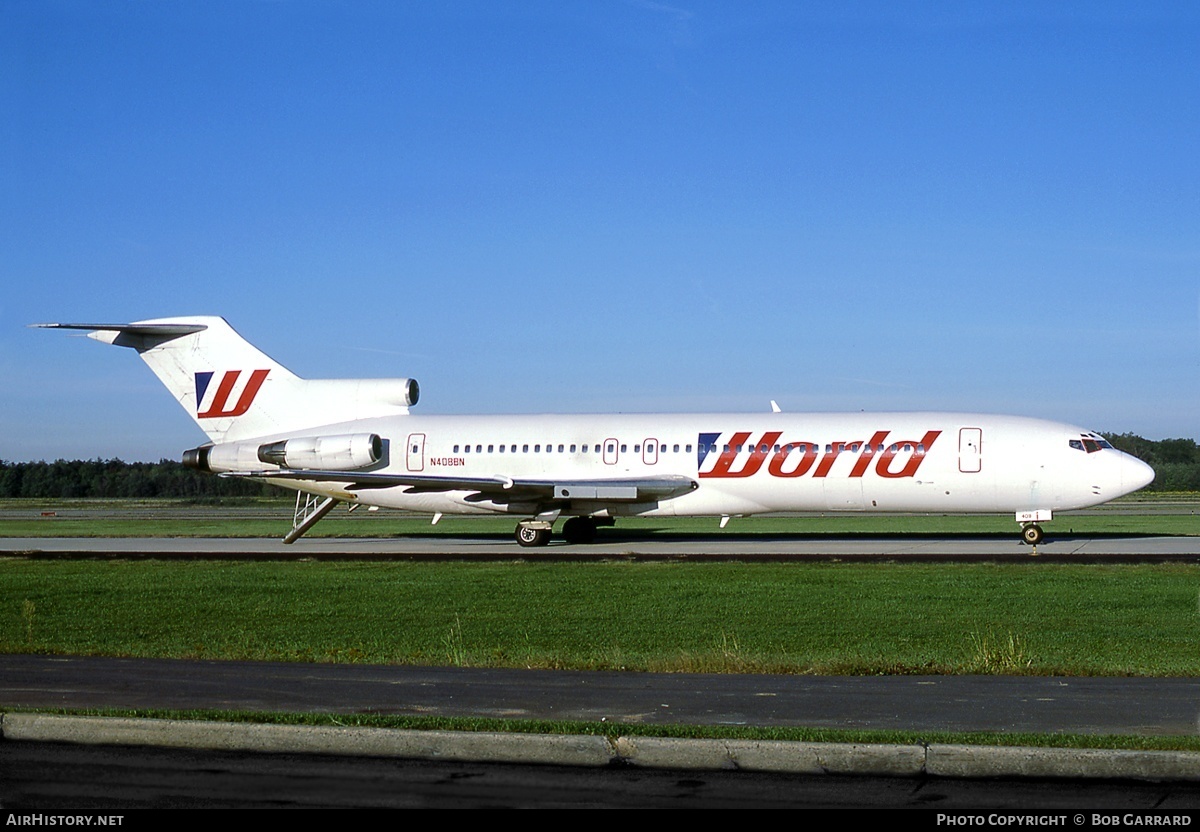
(139, 336)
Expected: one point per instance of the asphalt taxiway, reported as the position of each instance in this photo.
(933, 704)
(1005, 704)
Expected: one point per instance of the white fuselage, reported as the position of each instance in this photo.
(753, 463)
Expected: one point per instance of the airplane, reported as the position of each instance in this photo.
(355, 441)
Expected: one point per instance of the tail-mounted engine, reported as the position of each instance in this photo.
(347, 452)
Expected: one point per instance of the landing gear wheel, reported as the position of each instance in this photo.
(1032, 534)
(579, 530)
(531, 536)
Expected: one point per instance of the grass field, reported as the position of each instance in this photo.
(849, 618)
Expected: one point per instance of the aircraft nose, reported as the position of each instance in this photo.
(1135, 474)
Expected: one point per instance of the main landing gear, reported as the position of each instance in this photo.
(574, 530)
(533, 534)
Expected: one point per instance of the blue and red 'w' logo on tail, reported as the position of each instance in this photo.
(220, 400)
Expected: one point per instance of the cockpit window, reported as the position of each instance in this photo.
(1091, 444)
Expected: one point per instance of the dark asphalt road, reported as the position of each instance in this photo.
(1149, 706)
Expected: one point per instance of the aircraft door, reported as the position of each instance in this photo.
(650, 451)
(610, 452)
(970, 450)
(415, 452)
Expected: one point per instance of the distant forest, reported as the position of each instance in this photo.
(112, 478)
(1176, 464)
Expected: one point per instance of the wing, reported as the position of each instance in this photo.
(635, 490)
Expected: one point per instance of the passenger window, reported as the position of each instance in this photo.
(456, 449)
(491, 449)
(675, 449)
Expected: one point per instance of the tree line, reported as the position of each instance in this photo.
(114, 479)
(1176, 464)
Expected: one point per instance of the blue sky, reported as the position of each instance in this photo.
(606, 206)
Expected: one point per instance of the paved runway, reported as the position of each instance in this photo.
(1135, 706)
(717, 546)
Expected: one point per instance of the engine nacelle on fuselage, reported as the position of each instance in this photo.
(348, 452)
(324, 453)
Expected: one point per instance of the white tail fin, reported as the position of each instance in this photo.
(235, 391)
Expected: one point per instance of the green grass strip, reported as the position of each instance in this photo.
(827, 618)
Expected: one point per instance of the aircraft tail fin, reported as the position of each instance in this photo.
(235, 391)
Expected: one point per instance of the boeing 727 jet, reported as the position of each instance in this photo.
(355, 441)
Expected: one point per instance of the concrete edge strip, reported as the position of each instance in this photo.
(960, 761)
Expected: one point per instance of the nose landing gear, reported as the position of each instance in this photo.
(1031, 532)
